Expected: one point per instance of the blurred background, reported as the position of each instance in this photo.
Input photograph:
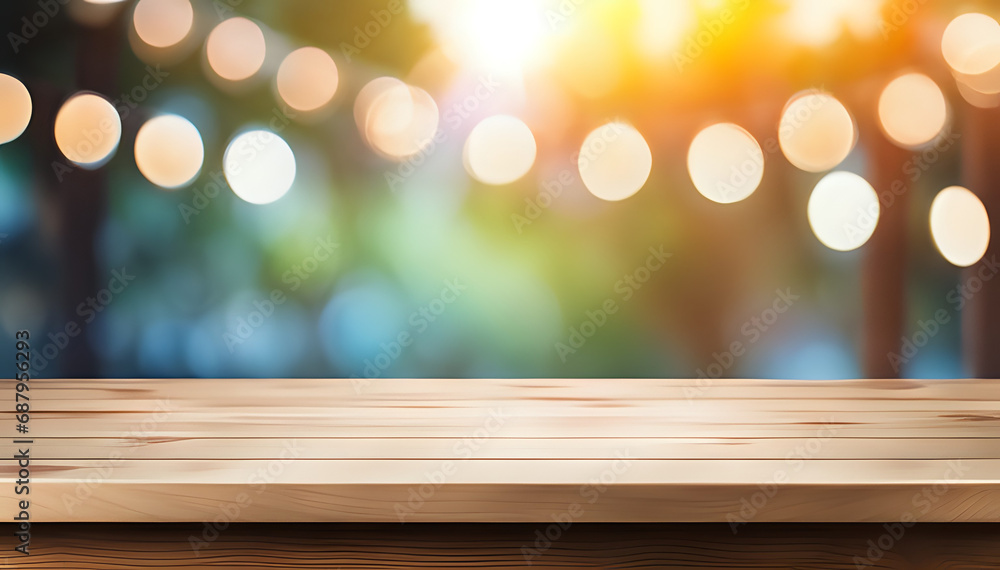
(520, 188)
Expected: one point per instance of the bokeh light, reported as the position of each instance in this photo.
(725, 163)
(843, 211)
(518, 88)
(163, 23)
(960, 226)
(499, 150)
(169, 151)
(235, 49)
(307, 79)
(912, 110)
(16, 104)
(971, 44)
(977, 98)
(986, 83)
(816, 131)
(397, 120)
(87, 129)
(615, 161)
(259, 166)
(366, 96)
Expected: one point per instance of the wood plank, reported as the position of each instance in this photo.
(570, 473)
(229, 423)
(139, 448)
(286, 390)
(509, 502)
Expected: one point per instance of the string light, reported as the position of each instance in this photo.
(912, 110)
(16, 104)
(259, 166)
(843, 211)
(725, 163)
(307, 79)
(163, 23)
(235, 49)
(816, 132)
(960, 226)
(499, 150)
(615, 161)
(169, 151)
(87, 129)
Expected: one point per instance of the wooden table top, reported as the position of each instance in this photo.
(430, 450)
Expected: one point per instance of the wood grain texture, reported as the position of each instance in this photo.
(405, 450)
(507, 546)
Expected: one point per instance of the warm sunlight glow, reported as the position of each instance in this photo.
(162, 23)
(169, 151)
(725, 163)
(16, 104)
(307, 79)
(662, 27)
(912, 110)
(614, 161)
(259, 166)
(960, 226)
(88, 129)
(843, 211)
(500, 35)
(235, 49)
(590, 62)
(400, 120)
(818, 23)
(816, 132)
(971, 44)
(499, 150)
